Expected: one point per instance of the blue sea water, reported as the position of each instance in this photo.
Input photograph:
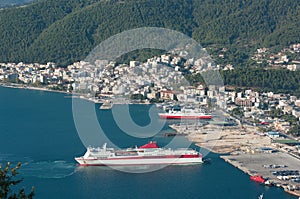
(37, 129)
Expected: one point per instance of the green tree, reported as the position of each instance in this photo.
(237, 111)
(295, 130)
(8, 179)
(137, 97)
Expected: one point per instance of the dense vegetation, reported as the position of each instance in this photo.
(295, 130)
(66, 31)
(282, 80)
(275, 80)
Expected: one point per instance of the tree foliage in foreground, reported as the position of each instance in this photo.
(8, 178)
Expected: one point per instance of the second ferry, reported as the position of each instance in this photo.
(185, 113)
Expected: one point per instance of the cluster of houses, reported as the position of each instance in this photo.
(158, 79)
(35, 74)
(287, 58)
(256, 106)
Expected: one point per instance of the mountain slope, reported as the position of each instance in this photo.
(20, 27)
(84, 29)
(67, 30)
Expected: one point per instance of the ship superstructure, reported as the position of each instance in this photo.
(185, 113)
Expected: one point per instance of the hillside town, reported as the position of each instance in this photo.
(162, 79)
(159, 78)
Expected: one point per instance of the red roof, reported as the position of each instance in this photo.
(150, 145)
(264, 123)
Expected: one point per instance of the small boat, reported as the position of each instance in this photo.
(269, 183)
(170, 134)
(106, 105)
(257, 178)
(261, 196)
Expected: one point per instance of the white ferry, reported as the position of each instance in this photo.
(185, 113)
(148, 154)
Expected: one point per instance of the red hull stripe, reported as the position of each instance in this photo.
(185, 117)
(148, 157)
(189, 156)
(169, 163)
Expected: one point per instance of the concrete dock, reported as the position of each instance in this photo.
(253, 164)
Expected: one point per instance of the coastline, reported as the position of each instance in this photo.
(241, 146)
(68, 94)
(21, 86)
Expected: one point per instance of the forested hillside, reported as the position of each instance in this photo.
(284, 81)
(66, 31)
(7, 3)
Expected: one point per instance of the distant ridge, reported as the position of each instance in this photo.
(66, 31)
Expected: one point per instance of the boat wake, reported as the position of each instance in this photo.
(40, 169)
(48, 169)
